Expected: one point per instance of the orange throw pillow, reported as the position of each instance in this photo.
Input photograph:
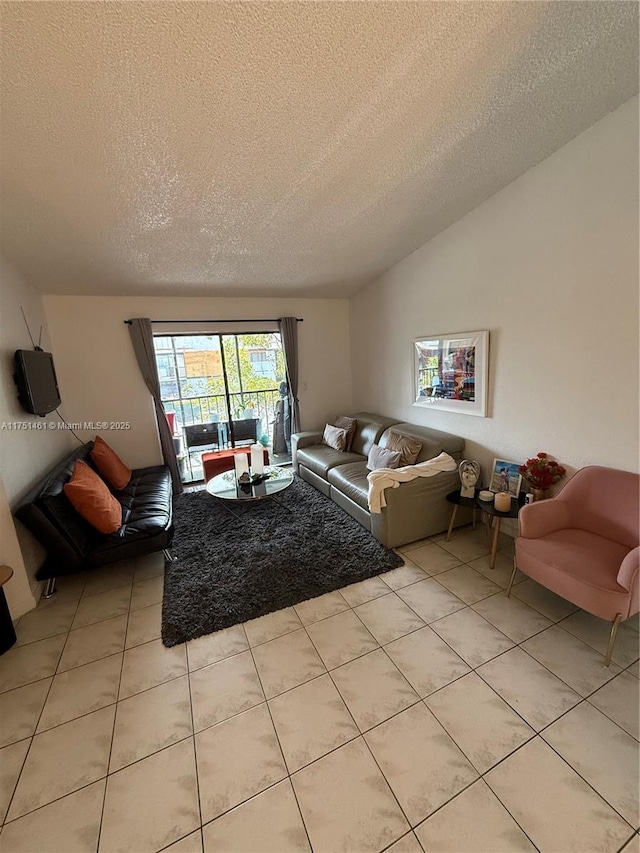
(92, 499)
(110, 465)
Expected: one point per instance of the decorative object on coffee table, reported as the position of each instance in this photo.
(502, 501)
(469, 471)
(217, 461)
(237, 561)
(241, 467)
(250, 487)
(541, 472)
(257, 458)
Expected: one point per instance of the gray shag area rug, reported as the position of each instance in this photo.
(235, 562)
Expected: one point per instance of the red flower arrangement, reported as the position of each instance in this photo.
(542, 472)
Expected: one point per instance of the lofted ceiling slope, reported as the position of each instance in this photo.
(241, 148)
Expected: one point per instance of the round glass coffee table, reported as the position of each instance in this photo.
(226, 487)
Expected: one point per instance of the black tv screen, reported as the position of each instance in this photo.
(35, 377)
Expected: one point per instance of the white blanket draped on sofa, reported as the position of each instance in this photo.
(385, 478)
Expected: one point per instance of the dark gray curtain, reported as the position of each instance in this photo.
(288, 327)
(142, 339)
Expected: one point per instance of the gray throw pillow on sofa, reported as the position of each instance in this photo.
(335, 437)
(380, 457)
(350, 425)
(408, 445)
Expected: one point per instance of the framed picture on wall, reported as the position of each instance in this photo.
(451, 372)
(505, 477)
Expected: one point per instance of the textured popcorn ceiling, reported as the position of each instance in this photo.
(279, 148)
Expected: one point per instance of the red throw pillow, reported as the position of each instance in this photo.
(110, 465)
(92, 499)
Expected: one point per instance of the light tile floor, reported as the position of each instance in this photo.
(420, 709)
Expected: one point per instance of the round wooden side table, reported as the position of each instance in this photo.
(7, 631)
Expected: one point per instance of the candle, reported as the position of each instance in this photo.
(241, 461)
(502, 501)
(257, 459)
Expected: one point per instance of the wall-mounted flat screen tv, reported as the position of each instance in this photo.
(35, 378)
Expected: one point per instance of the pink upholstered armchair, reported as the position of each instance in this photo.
(583, 544)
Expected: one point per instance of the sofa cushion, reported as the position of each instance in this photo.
(146, 502)
(319, 458)
(352, 481)
(380, 457)
(335, 437)
(368, 431)
(578, 565)
(66, 524)
(407, 446)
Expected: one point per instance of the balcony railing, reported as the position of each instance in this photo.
(190, 411)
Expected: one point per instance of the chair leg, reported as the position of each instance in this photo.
(168, 556)
(50, 588)
(612, 638)
(512, 578)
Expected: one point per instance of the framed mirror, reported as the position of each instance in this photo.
(451, 372)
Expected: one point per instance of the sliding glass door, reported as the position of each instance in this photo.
(222, 391)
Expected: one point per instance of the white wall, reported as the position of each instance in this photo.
(25, 454)
(21, 595)
(102, 381)
(550, 266)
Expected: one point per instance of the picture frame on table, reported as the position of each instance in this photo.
(451, 372)
(505, 477)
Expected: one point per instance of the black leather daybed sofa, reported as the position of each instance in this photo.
(72, 544)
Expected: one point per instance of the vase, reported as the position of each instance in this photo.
(539, 494)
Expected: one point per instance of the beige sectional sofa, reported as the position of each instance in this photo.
(414, 510)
